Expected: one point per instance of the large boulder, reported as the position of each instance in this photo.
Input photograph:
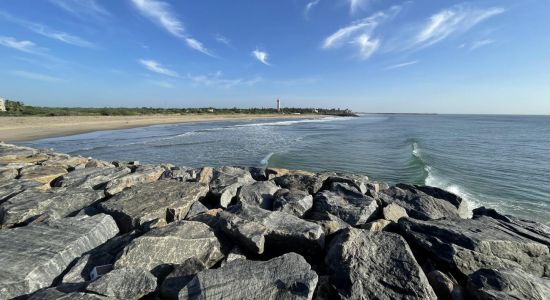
(143, 174)
(359, 182)
(284, 277)
(256, 230)
(179, 277)
(259, 193)
(42, 174)
(19, 154)
(346, 203)
(158, 202)
(12, 187)
(272, 173)
(33, 256)
(423, 206)
(90, 177)
(365, 265)
(491, 284)
(309, 183)
(172, 244)
(467, 245)
(128, 283)
(226, 182)
(32, 204)
(393, 212)
(294, 202)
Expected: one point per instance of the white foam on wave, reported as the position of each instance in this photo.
(292, 122)
(265, 160)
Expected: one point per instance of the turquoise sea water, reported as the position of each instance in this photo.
(501, 162)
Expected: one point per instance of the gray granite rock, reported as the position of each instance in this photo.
(365, 265)
(294, 202)
(359, 182)
(180, 174)
(491, 284)
(330, 223)
(422, 206)
(259, 193)
(90, 177)
(54, 294)
(445, 287)
(160, 201)
(179, 277)
(12, 187)
(127, 283)
(308, 183)
(7, 173)
(196, 209)
(346, 203)
(33, 256)
(483, 242)
(65, 161)
(80, 271)
(172, 244)
(256, 230)
(143, 174)
(377, 225)
(284, 277)
(42, 174)
(226, 182)
(31, 204)
(393, 212)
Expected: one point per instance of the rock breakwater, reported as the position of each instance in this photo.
(73, 227)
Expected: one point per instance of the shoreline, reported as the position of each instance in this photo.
(19, 129)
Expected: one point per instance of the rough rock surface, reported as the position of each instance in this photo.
(179, 277)
(330, 223)
(346, 203)
(259, 193)
(375, 265)
(376, 226)
(125, 283)
(284, 277)
(359, 182)
(294, 202)
(445, 287)
(32, 204)
(311, 184)
(172, 244)
(472, 244)
(422, 206)
(256, 229)
(161, 202)
(226, 182)
(90, 177)
(41, 174)
(33, 256)
(393, 212)
(272, 173)
(494, 284)
(141, 175)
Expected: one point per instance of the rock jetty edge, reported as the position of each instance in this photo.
(75, 227)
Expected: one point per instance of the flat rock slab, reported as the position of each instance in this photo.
(130, 284)
(484, 242)
(172, 244)
(65, 161)
(365, 265)
(31, 204)
(226, 181)
(42, 174)
(423, 206)
(294, 202)
(284, 277)
(90, 177)
(140, 176)
(494, 284)
(12, 187)
(308, 183)
(33, 256)
(161, 201)
(256, 230)
(346, 203)
(259, 193)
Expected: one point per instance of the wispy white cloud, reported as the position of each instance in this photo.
(222, 40)
(360, 33)
(47, 32)
(217, 80)
(454, 20)
(36, 76)
(82, 8)
(401, 65)
(23, 46)
(481, 43)
(309, 6)
(156, 67)
(161, 13)
(355, 5)
(261, 56)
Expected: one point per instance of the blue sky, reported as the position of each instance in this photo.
(367, 55)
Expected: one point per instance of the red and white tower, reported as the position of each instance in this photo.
(278, 105)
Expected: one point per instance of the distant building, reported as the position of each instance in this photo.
(2, 104)
(210, 110)
(278, 105)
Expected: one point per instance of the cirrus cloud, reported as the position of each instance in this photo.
(156, 67)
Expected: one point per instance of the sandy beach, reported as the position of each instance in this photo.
(14, 129)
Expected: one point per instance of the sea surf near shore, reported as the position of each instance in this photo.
(78, 227)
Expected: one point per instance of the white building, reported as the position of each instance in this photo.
(2, 104)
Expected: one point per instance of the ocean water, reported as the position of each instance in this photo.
(501, 162)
